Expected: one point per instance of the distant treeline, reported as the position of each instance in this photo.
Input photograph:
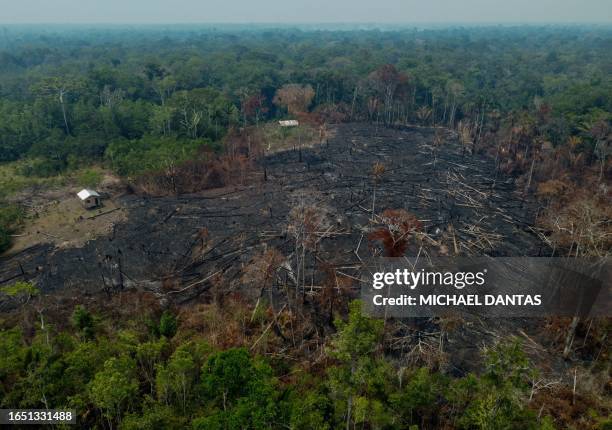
(69, 96)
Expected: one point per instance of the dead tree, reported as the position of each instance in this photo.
(378, 170)
(260, 273)
(308, 225)
(396, 228)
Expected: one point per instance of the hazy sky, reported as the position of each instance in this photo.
(304, 11)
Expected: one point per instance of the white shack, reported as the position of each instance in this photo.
(89, 198)
(289, 123)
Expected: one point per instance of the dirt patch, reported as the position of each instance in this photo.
(59, 218)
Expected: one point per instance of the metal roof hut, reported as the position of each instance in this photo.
(89, 198)
(289, 123)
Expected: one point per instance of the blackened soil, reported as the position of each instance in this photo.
(174, 243)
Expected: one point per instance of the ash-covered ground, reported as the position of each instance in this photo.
(174, 246)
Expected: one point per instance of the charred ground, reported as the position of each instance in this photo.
(171, 244)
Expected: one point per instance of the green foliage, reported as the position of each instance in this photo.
(361, 383)
(495, 401)
(419, 397)
(311, 410)
(81, 364)
(226, 376)
(130, 157)
(11, 217)
(67, 95)
(114, 388)
(506, 363)
(128, 379)
(154, 416)
(12, 180)
(603, 424)
(358, 337)
(12, 357)
(167, 325)
(176, 379)
(241, 392)
(20, 288)
(149, 355)
(43, 167)
(84, 322)
(89, 178)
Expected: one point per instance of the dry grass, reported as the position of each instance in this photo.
(278, 138)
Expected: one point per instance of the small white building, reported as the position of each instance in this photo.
(89, 198)
(289, 123)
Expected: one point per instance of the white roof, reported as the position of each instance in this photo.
(289, 123)
(86, 193)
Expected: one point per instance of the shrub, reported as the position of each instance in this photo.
(89, 178)
(43, 168)
(11, 217)
(167, 325)
(83, 321)
(20, 288)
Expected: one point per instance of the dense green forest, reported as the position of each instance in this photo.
(146, 102)
(148, 373)
(70, 96)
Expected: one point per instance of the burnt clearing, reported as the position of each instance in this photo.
(189, 249)
(173, 246)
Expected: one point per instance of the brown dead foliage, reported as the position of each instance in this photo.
(206, 171)
(590, 340)
(193, 176)
(308, 223)
(397, 226)
(335, 293)
(552, 189)
(295, 98)
(332, 113)
(579, 224)
(260, 271)
(57, 310)
(570, 409)
(222, 326)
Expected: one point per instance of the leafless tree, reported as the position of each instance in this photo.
(308, 224)
(378, 170)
